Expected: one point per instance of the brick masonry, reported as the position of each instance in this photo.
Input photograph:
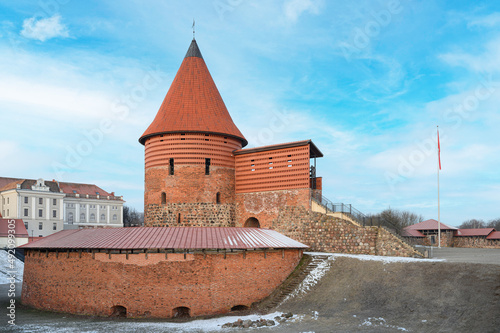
(150, 285)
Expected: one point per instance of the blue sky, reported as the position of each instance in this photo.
(367, 81)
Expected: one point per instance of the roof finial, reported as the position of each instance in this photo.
(193, 29)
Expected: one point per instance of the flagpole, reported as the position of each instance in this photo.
(439, 210)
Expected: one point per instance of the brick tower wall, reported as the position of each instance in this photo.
(150, 285)
(200, 199)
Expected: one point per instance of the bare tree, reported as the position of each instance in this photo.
(132, 218)
(396, 219)
(494, 224)
(472, 224)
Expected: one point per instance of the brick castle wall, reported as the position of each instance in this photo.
(266, 206)
(189, 185)
(148, 285)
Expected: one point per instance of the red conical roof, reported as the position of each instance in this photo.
(193, 103)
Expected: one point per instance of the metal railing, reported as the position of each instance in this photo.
(356, 215)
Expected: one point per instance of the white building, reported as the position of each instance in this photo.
(50, 206)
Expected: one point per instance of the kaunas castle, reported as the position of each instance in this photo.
(225, 225)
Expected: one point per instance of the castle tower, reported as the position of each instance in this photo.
(189, 161)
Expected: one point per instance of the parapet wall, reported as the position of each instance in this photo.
(150, 285)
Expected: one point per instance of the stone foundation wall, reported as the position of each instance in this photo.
(190, 215)
(150, 285)
(476, 242)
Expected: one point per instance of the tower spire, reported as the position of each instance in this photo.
(193, 29)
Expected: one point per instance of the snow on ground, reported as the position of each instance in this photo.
(201, 325)
(311, 279)
(374, 322)
(6, 271)
(367, 257)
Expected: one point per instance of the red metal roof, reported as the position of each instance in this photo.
(315, 152)
(430, 225)
(193, 103)
(166, 238)
(474, 232)
(411, 233)
(494, 235)
(20, 229)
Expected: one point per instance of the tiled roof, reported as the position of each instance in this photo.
(167, 238)
(494, 235)
(411, 233)
(7, 180)
(82, 189)
(193, 103)
(315, 152)
(430, 225)
(11, 185)
(474, 232)
(52, 185)
(20, 229)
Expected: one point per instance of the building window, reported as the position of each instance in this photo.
(25, 199)
(26, 225)
(54, 226)
(70, 217)
(8, 200)
(40, 226)
(171, 169)
(207, 166)
(163, 198)
(26, 213)
(82, 217)
(115, 217)
(92, 217)
(8, 212)
(179, 218)
(217, 198)
(54, 213)
(54, 202)
(40, 201)
(103, 217)
(40, 213)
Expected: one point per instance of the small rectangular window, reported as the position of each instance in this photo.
(26, 225)
(25, 211)
(40, 225)
(8, 200)
(25, 199)
(207, 166)
(54, 226)
(54, 213)
(171, 169)
(40, 213)
(54, 202)
(8, 212)
(40, 201)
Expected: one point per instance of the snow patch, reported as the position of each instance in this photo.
(14, 268)
(367, 257)
(311, 279)
(374, 322)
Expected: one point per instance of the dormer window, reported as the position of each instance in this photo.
(74, 191)
(97, 193)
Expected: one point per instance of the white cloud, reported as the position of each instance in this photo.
(44, 29)
(488, 21)
(295, 8)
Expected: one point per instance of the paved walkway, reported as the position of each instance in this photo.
(476, 256)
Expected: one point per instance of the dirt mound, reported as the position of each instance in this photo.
(374, 296)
